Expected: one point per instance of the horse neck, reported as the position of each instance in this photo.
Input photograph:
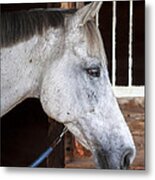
(24, 65)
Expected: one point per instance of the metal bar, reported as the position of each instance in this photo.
(130, 65)
(114, 44)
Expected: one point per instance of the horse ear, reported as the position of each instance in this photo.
(88, 12)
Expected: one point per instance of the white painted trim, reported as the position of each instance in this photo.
(125, 91)
(114, 21)
(130, 59)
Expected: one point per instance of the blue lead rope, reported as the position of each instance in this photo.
(42, 157)
(49, 150)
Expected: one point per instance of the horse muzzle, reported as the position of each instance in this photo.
(114, 161)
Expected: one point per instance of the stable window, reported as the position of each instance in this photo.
(122, 29)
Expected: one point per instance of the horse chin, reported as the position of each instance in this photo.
(101, 163)
(101, 160)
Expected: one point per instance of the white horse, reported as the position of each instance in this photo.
(61, 60)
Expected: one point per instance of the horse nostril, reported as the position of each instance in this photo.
(126, 159)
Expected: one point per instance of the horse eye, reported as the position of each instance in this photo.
(94, 72)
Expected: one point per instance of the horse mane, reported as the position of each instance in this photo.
(23, 25)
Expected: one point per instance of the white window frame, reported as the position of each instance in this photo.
(129, 90)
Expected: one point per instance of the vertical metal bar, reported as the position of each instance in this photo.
(114, 44)
(130, 44)
(97, 19)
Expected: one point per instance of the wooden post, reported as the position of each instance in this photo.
(69, 147)
(68, 5)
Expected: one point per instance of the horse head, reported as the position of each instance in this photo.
(76, 91)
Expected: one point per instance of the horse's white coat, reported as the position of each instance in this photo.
(23, 64)
(53, 68)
